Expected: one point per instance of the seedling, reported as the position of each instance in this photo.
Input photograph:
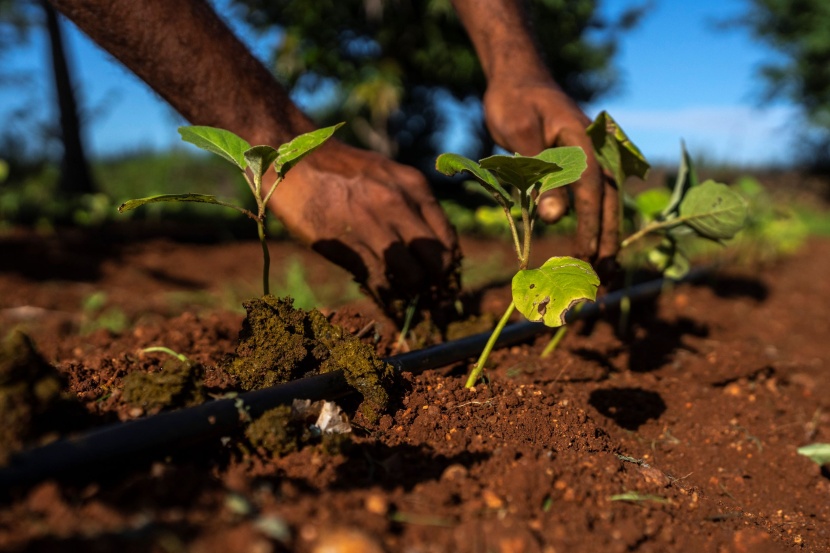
(818, 453)
(544, 294)
(253, 162)
(708, 210)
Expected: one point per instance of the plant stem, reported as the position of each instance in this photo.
(625, 303)
(558, 336)
(475, 373)
(651, 228)
(266, 257)
(524, 258)
(513, 230)
(162, 349)
(554, 342)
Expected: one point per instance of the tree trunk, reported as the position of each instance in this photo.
(75, 175)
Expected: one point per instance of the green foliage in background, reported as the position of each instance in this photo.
(29, 196)
(799, 30)
(382, 62)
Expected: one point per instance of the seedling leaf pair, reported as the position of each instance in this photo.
(237, 150)
(550, 169)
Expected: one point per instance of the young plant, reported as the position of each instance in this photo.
(253, 162)
(707, 210)
(544, 294)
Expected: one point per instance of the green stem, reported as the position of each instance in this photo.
(475, 373)
(559, 335)
(273, 187)
(625, 303)
(513, 230)
(161, 349)
(266, 257)
(652, 227)
(524, 259)
(554, 342)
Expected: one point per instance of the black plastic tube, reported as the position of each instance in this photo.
(165, 432)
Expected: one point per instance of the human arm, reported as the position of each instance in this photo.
(374, 217)
(526, 112)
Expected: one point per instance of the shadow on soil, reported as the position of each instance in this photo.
(630, 408)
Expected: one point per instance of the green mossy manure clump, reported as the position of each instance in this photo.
(30, 395)
(278, 343)
(285, 429)
(177, 384)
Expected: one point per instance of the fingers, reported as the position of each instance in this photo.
(588, 194)
(609, 243)
(553, 205)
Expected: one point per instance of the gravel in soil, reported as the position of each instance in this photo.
(680, 437)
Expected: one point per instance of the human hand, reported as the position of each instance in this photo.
(378, 220)
(527, 117)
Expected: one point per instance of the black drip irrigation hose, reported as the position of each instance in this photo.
(164, 432)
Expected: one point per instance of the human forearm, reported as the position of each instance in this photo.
(501, 36)
(189, 57)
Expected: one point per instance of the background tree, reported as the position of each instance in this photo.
(75, 177)
(800, 31)
(26, 136)
(385, 66)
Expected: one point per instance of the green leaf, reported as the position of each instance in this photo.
(713, 210)
(545, 294)
(571, 159)
(452, 164)
(199, 198)
(669, 259)
(519, 171)
(614, 151)
(292, 152)
(259, 158)
(218, 141)
(651, 203)
(818, 453)
(686, 179)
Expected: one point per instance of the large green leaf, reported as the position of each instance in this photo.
(571, 159)
(292, 152)
(198, 198)
(818, 453)
(614, 151)
(686, 179)
(218, 141)
(452, 164)
(545, 294)
(713, 210)
(519, 171)
(259, 158)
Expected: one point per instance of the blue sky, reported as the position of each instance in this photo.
(683, 78)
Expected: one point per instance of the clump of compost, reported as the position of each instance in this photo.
(285, 429)
(178, 384)
(279, 343)
(31, 400)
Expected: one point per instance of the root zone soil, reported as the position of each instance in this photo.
(680, 437)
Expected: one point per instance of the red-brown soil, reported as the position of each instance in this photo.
(699, 410)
